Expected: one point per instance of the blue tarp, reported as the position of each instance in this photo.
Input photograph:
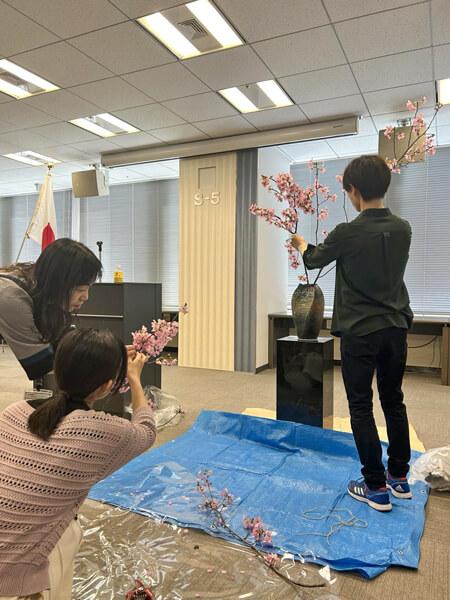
(277, 470)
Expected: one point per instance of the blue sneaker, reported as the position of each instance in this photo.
(399, 486)
(377, 499)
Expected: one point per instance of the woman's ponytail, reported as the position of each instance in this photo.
(44, 420)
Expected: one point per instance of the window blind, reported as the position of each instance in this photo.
(138, 224)
(15, 216)
(421, 195)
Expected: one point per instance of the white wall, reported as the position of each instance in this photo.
(272, 269)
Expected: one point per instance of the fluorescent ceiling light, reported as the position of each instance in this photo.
(118, 123)
(23, 79)
(239, 100)
(45, 85)
(13, 90)
(169, 35)
(211, 18)
(275, 93)
(32, 158)
(85, 123)
(444, 91)
(98, 124)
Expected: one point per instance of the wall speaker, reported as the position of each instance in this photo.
(90, 183)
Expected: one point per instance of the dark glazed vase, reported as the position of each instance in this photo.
(307, 309)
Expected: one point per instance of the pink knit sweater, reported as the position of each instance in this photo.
(42, 484)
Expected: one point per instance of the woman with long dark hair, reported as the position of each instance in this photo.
(53, 451)
(36, 301)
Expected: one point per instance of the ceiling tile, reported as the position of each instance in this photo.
(123, 48)
(228, 68)
(227, 126)
(23, 140)
(152, 116)
(276, 117)
(31, 34)
(300, 52)
(339, 10)
(279, 18)
(95, 146)
(62, 64)
(301, 151)
(64, 133)
(153, 170)
(442, 61)
(67, 153)
(320, 85)
(63, 105)
(67, 18)
(354, 145)
(167, 82)
(5, 98)
(339, 107)
(381, 34)
(394, 70)
(394, 99)
(7, 164)
(132, 140)
(440, 19)
(200, 107)
(140, 8)
(111, 94)
(19, 115)
(180, 133)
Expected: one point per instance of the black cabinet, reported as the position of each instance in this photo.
(123, 308)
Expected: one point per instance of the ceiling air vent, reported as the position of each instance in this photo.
(193, 29)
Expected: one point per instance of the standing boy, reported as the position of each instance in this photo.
(371, 315)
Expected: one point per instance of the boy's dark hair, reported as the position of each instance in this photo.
(85, 360)
(63, 266)
(369, 174)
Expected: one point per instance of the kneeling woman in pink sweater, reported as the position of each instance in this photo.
(53, 452)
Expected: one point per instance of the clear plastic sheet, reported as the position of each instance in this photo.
(167, 409)
(433, 467)
(179, 564)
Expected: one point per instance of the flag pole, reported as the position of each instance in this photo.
(30, 224)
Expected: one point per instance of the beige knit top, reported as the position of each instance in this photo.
(42, 484)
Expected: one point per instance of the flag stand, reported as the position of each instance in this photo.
(30, 224)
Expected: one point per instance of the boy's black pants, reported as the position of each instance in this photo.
(385, 352)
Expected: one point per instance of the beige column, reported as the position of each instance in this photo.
(207, 261)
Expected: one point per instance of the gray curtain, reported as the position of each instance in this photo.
(246, 250)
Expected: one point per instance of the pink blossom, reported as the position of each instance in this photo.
(401, 135)
(184, 309)
(272, 560)
(303, 278)
(323, 214)
(388, 131)
(410, 105)
(265, 181)
(310, 164)
(340, 178)
(333, 197)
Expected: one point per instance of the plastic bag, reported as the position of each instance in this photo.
(167, 409)
(433, 468)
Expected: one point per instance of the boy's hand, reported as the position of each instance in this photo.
(299, 242)
(135, 366)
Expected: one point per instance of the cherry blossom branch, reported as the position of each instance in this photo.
(254, 526)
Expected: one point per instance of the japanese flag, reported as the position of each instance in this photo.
(43, 224)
